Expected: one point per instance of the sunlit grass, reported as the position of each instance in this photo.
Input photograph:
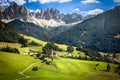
(11, 64)
(12, 45)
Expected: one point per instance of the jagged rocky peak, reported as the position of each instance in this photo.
(14, 6)
(49, 13)
(52, 13)
(15, 11)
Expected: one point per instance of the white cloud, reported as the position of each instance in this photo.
(48, 1)
(37, 10)
(4, 3)
(20, 2)
(95, 12)
(89, 1)
(32, 0)
(31, 10)
(116, 0)
(76, 9)
(92, 12)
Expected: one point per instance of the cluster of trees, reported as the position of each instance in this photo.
(49, 47)
(23, 41)
(94, 55)
(9, 49)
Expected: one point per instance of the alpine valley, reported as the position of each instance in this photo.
(97, 32)
(47, 44)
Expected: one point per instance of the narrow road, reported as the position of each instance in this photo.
(22, 72)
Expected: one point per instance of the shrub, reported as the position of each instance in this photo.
(34, 43)
(35, 68)
(70, 49)
(79, 48)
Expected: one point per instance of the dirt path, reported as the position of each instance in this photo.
(24, 75)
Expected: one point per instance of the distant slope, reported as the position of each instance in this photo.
(57, 30)
(31, 29)
(97, 33)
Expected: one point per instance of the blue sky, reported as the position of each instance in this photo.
(83, 7)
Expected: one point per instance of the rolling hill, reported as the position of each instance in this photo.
(20, 67)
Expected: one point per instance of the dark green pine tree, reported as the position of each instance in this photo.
(108, 67)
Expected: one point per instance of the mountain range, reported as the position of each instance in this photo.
(100, 32)
(50, 17)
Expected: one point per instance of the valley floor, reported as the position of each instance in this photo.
(19, 67)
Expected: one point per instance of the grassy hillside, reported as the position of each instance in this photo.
(38, 48)
(61, 68)
(11, 64)
(73, 70)
(13, 45)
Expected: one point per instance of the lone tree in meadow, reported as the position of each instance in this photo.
(70, 49)
(108, 67)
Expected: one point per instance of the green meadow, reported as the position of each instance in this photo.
(19, 66)
(60, 68)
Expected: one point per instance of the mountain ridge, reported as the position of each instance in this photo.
(31, 29)
(97, 33)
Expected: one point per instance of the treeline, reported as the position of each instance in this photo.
(9, 49)
(34, 43)
(13, 38)
(94, 55)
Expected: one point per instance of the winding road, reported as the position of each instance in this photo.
(24, 75)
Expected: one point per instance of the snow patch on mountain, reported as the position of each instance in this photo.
(51, 23)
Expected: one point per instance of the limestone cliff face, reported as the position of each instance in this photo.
(56, 15)
(15, 11)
